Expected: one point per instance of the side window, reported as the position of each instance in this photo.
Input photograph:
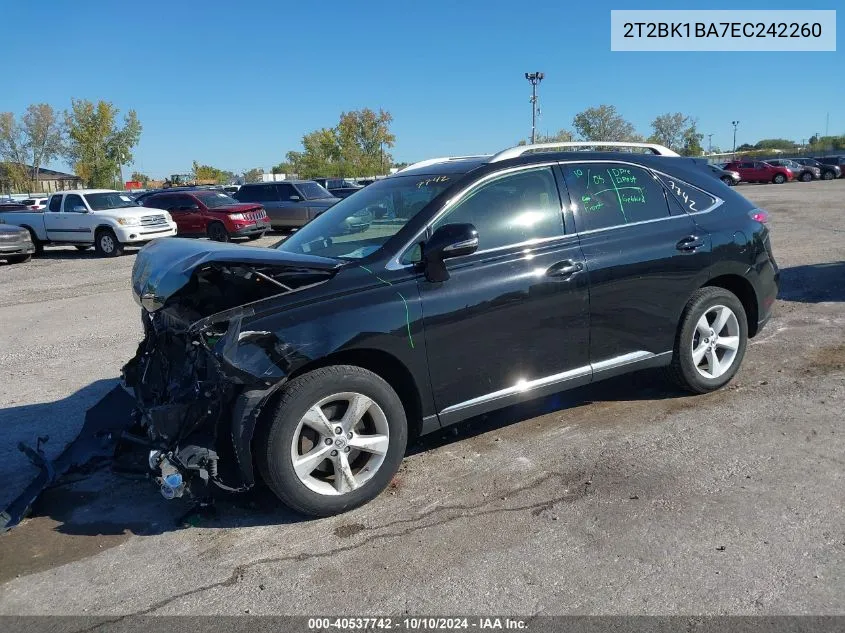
(747, 165)
(613, 194)
(511, 209)
(72, 201)
(692, 199)
(257, 193)
(286, 191)
(55, 204)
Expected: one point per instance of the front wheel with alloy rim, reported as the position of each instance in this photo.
(806, 177)
(828, 175)
(106, 244)
(779, 179)
(710, 342)
(334, 441)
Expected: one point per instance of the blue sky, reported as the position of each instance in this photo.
(236, 85)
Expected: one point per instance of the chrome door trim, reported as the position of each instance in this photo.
(521, 386)
(525, 386)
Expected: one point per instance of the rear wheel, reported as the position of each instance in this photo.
(779, 179)
(106, 244)
(217, 232)
(334, 441)
(710, 342)
(806, 177)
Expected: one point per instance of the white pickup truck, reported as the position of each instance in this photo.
(104, 218)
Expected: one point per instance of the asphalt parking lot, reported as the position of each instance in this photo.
(621, 498)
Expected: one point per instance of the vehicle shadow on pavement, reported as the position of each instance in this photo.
(98, 502)
(813, 283)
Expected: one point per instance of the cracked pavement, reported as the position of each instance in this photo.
(623, 497)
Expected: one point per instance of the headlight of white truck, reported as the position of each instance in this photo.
(129, 221)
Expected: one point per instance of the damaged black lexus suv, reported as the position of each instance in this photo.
(482, 281)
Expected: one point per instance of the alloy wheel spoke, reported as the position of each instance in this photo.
(344, 480)
(316, 419)
(728, 342)
(703, 326)
(370, 443)
(722, 317)
(358, 405)
(304, 465)
(713, 363)
(698, 353)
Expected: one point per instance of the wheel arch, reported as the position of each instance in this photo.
(387, 367)
(744, 291)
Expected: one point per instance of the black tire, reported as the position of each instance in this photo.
(18, 259)
(276, 436)
(82, 247)
(727, 180)
(806, 177)
(255, 236)
(828, 175)
(779, 179)
(106, 244)
(683, 371)
(217, 232)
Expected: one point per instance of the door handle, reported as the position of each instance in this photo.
(690, 243)
(564, 269)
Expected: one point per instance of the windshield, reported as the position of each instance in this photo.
(109, 200)
(215, 199)
(359, 225)
(313, 191)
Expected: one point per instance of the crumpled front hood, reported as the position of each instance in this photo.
(165, 265)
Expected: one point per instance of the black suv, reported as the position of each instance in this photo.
(492, 279)
(833, 161)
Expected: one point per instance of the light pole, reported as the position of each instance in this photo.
(709, 143)
(534, 78)
(734, 123)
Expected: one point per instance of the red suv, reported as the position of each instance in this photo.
(212, 213)
(760, 171)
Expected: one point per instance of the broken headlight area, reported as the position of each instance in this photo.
(200, 376)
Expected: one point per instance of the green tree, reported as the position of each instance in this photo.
(560, 136)
(670, 130)
(745, 147)
(253, 175)
(774, 143)
(36, 140)
(97, 146)
(692, 141)
(207, 172)
(354, 147)
(604, 123)
(137, 176)
(283, 168)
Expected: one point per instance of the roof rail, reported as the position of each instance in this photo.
(444, 159)
(519, 150)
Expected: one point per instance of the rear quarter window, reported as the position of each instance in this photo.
(691, 198)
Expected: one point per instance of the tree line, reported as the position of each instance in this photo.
(88, 136)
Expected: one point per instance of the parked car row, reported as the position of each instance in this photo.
(781, 170)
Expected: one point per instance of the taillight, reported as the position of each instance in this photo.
(758, 215)
(34, 207)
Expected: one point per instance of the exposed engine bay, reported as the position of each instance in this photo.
(196, 408)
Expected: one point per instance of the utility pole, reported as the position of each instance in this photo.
(534, 79)
(734, 123)
(709, 143)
